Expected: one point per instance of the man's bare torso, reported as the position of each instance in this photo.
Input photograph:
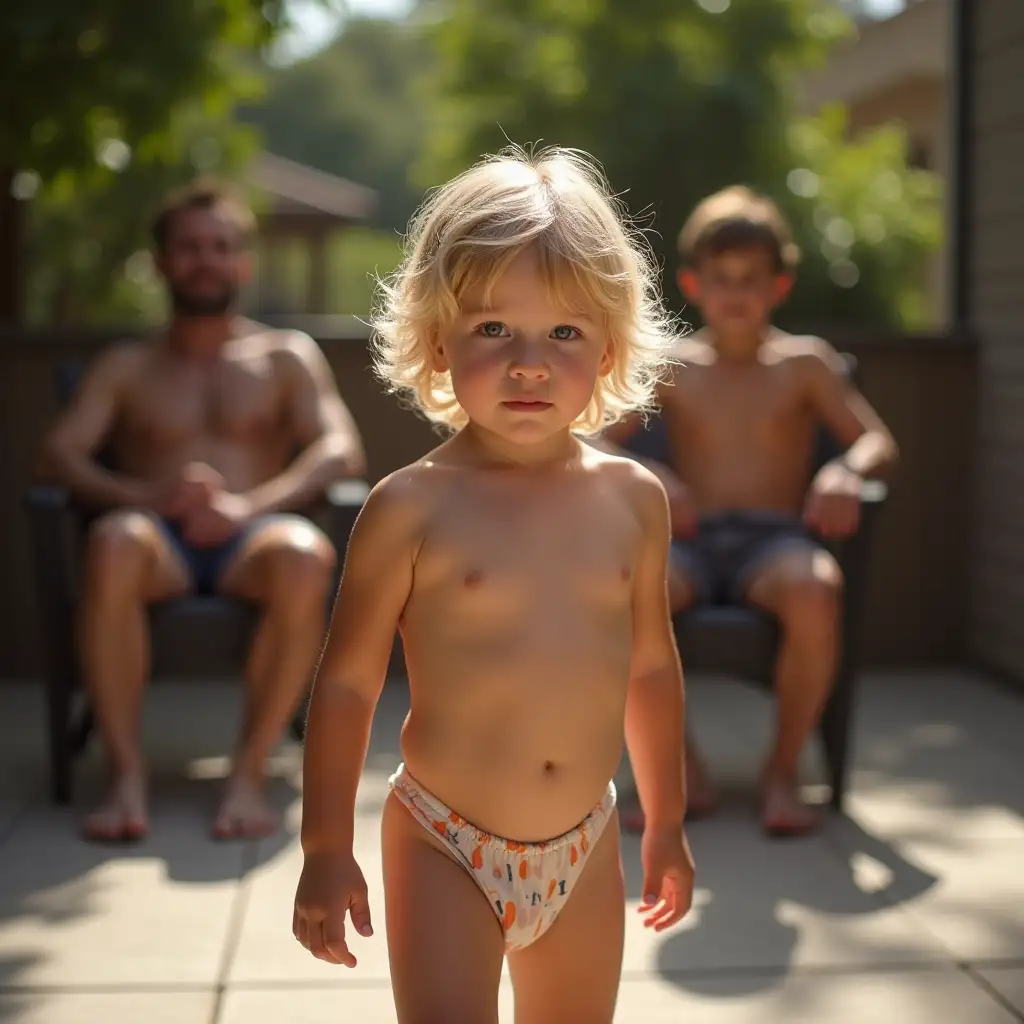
(518, 638)
(229, 412)
(741, 435)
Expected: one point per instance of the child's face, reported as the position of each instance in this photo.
(736, 291)
(521, 366)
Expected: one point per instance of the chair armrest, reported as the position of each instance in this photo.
(873, 494)
(344, 502)
(54, 525)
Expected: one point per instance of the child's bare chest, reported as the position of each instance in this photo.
(507, 552)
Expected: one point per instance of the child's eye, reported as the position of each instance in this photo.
(565, 332)
(492, 329)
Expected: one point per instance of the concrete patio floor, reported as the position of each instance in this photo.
(911, 907)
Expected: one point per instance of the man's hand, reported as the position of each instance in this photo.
(683, 511)
(330, 887)
(218, 521)
(668, 877)
(833, 506)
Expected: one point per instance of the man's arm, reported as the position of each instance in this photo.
(869, 446)
(373, 593)
(70, 446)
(654, 703)
(321, 424)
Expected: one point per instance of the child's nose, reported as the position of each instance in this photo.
(528, 364)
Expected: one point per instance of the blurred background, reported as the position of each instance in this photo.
(339, 115)
(887, 131)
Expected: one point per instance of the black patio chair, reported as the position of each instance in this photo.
(192, 636)
(744, 642)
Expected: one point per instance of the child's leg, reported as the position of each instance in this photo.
(445, 944)
(571, 973)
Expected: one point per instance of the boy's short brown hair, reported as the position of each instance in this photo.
(203, 194)
(737, 219)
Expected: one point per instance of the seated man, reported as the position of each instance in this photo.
(740, 416)
(204, 419)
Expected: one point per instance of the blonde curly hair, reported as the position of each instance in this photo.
(558, 203)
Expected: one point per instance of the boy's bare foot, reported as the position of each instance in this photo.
(701, 797)
(245, 812)
(122, 816)
(783, 812)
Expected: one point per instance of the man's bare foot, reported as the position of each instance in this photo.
(701, 798)
(244, 812)
(783, 812)
(121, 818)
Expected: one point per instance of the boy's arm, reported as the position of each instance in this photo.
(373, 593)
(654, 702)
(869, 446)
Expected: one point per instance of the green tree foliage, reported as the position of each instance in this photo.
(105, 104)
(677, 100)
(356, 109)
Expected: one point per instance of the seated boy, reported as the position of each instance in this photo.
(740, 415)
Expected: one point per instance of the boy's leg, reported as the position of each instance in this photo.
(571, 973)
(445, 943)
(802, 588)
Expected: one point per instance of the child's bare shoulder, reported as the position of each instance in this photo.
(805, 350)
(400, 504)
(692, 350)
(642, 489)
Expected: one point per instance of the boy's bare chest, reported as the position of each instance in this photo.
(764, 403)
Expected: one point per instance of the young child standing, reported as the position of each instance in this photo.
(526, 571)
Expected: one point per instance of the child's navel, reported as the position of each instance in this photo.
(625, 573)
(473, 578)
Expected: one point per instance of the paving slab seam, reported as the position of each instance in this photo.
(991, 991)
(108, 988)
(837, 970)
(236, 922)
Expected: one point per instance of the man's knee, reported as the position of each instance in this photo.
(117, 554)
(300, 569)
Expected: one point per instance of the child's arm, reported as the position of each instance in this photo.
(869, 447)
(654, 703)
(374, 589)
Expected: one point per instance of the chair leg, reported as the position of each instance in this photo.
(835, 737)
(60, 740)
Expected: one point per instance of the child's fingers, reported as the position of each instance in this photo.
(333, 945)
(359, 908)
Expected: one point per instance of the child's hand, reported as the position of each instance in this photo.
(668, 877)
(330, 886)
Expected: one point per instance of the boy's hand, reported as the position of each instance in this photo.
(668, 877)
(330, 887)
(833, 505)
(682, 508)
